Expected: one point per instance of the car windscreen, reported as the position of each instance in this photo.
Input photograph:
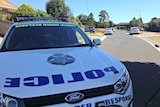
(26, 37)
(108, 28)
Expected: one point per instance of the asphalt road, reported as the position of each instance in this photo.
(143, 62)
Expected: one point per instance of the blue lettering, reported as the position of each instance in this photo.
(77, 76)
(84, 105)
(58, 79)
(107, 102)
(93, 74)
(12, 82)
(112, 101)
(89, 105)
(111, 69)
(117, 100)
(36, 81)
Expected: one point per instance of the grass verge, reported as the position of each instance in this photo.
(155, 38)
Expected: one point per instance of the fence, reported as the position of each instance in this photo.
(4, 25)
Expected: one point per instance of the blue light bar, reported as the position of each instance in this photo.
(43, 18)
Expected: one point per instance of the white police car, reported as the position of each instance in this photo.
(55, 64)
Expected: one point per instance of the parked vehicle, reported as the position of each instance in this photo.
(141, 29)
(108, 31)
(134, 30)
(90, 29)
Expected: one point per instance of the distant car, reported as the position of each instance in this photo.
(141, 29)
(108, 31)
(90, 29)
(134, 30)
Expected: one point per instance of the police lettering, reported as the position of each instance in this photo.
(58, 78)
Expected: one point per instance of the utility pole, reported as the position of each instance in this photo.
(139, 17)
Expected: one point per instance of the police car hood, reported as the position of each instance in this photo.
(44, 72)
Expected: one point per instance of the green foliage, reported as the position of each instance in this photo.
(56, 8)
(103, 16)
(76, 21)
(25, 10)
(152, 25)
(41, 13)
(101, 25)
(136, 22)
(87, 20)
(69, 12)
(91, 21)
(9, 17)
(83, 18)
(111, 24)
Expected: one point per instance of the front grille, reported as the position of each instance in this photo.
(60, 98)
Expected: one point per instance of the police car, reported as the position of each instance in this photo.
(55, 64)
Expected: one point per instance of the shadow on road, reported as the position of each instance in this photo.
(146, 83)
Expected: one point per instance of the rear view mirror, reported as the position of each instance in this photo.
(97, 41)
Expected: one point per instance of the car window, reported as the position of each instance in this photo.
(135, 28)
(34, 37)
(80, 38)
(108, 28)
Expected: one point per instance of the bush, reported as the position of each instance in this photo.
(9, 17)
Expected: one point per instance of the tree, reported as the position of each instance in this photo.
(25, 10)
(136, 22)
(152, 25)
(102, 25)
(83, 18)
(76, 21)
(91, 21)
(41, 13)
(111, 24)
(56, 8)
(103, 14)
(69, 12)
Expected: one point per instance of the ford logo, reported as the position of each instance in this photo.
(74, 97)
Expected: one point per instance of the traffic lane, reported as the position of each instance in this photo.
(142, 61)
(129, 48)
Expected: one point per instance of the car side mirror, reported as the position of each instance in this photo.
(97, 41)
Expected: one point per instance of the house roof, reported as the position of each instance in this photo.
(7, 5)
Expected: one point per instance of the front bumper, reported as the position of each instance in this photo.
(110, 100)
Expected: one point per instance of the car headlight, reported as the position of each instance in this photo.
(6, 101)
(122, 84)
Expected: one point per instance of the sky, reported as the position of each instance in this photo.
(120, 11)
